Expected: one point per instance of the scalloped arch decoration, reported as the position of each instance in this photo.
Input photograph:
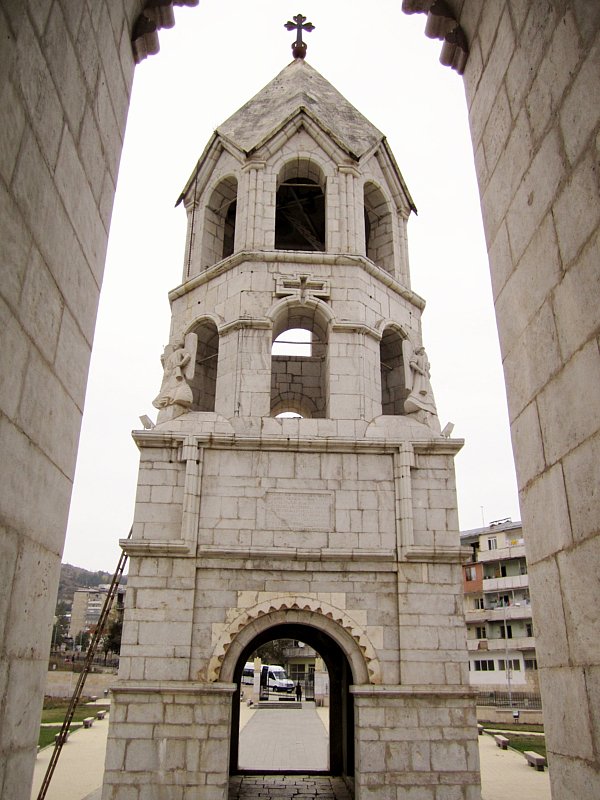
(309, 611)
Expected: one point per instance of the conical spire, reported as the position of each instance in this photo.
(300, 87)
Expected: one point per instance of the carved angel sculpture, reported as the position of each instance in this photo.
(178, 360)
(420, 401)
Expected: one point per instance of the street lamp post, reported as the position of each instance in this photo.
(506, 664)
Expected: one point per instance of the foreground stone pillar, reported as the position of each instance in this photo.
(532, 81)
(65, 84)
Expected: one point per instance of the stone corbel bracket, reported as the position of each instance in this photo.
(442, 25)
(156, 14)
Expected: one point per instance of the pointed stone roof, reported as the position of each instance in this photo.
(299, 86)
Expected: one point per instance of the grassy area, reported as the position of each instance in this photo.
(522, 743)
(58, 711)
(47, 734)
(513, 726)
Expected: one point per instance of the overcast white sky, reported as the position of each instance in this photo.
(216, 57)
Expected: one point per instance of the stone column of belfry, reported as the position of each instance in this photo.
(251, 207)
(337, 527)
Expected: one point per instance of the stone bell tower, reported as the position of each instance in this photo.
(337, 526)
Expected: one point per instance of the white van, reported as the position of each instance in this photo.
(272, 676)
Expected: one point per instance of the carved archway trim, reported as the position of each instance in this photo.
(334, 622)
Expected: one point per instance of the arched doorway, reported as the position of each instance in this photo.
(341, 708)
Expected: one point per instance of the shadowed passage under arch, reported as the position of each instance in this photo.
(341, 708)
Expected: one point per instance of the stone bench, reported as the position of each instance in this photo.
(65, 737)
(88, 722)
(100, 714)
(535, 760)
(501, 741)
(480, 729)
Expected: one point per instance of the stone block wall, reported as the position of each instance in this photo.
(159, 497)
(405, 742)
(278, 498)
(157, 638)
(65, 80)
(179, 734)
(533, 90)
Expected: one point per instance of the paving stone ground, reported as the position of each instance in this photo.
(287, 787)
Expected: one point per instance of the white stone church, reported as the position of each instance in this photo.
(336, 523)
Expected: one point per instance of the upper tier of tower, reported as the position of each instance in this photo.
(297, 168)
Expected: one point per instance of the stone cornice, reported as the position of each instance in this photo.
(256, 323)
(411, 691)
(438, 555)
(293, 257)
(298, 553)
(356, 327)
(142, 548)
(333, 444)
(172, 687)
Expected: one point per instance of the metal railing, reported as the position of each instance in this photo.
(522, 700)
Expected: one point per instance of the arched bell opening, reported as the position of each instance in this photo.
(299, 361)
(300, 207)
(393, 378)
(341, 706)
(204, 382)
(379, 237)
(219, 222)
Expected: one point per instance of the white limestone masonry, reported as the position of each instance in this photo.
(340, 522)
(533, 91)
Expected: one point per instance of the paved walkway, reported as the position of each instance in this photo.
(78, 776)
(287, 787)
(284, 739)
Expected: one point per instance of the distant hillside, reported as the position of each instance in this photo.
(72, 578)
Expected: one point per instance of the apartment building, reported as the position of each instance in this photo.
(87, 607)
(500, 632)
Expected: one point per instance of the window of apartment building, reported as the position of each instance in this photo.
(513, 663)
(531, 663)
(492, 543)
(481, 633)
(506, 634)
(478, 602)
(470, 573)
(529, 628)
(484, 665)
(523, 566)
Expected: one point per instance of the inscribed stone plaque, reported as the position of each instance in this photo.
(300, 511)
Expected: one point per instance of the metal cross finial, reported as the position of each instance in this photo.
(299, 24)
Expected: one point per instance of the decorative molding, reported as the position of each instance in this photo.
(156, 14)
(412, 691)
(438, 555)
(304, 258)
(301, 287)
(146, 548)
(296, 608)
(263, 554)
(442, 25)
(324, 444)
(345, 326)
(245, 323)
(172, 687)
